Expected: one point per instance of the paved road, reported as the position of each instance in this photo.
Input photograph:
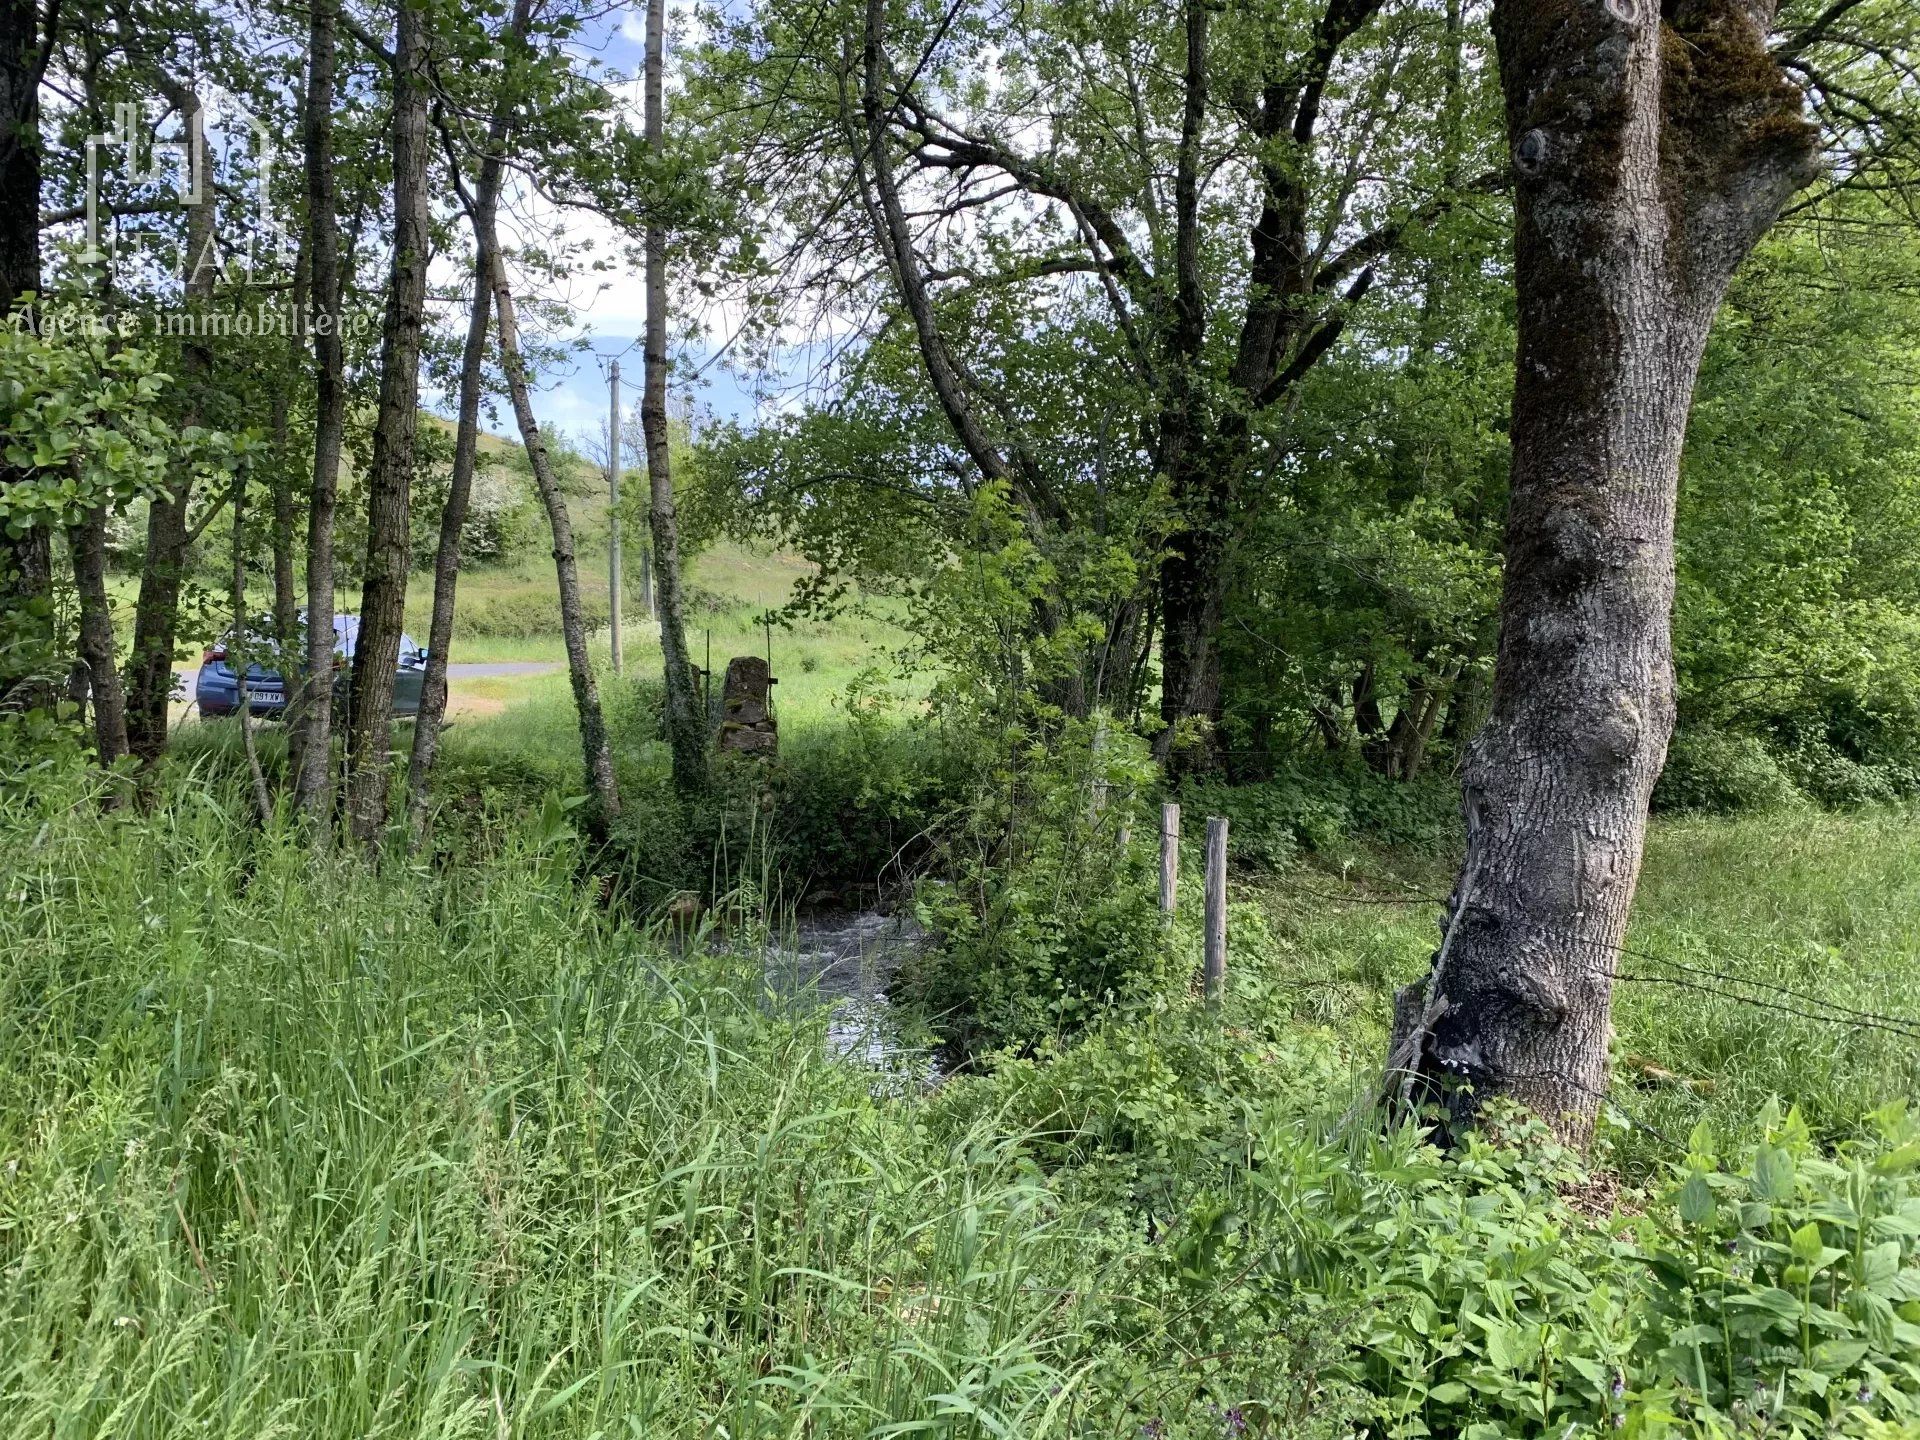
(461, 672)
(502, 667)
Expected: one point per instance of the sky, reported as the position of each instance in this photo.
(610, 315)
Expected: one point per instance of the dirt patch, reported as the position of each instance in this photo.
(471, 706)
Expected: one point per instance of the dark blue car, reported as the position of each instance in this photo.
(217, 689)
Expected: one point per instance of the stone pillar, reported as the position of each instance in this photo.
(747, 725)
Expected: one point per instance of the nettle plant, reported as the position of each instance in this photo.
(1783, 1290)
(1765, 1289)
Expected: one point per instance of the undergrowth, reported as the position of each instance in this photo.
(299, 1146)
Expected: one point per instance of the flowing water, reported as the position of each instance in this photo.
(845, 962)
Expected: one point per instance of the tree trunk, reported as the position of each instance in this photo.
(1368, 723)
(453, 519)
(88, 543)
(686, 721)
(383, 594)
(286, 597)
(26, 562)
(466, 441)
(314, 786)
(1193, 597)
(1192, 570)
(240, 653)
(1649, 157)
(1413, 726)
(21, 52)
(286, 593)
(156, 615)
(155, 620)
(573, 621)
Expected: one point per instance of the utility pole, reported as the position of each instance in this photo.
(613, 512)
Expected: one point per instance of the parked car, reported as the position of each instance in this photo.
(217, 688)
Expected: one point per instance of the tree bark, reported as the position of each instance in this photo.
(314, 786)
(26, 562)
(383, 594)
(1649, 156)
(286, 596)
(88, 543)
(466, 441)
(686, 721)
(1193, 566)
(156, 615)
(240, 653)
(573, 621)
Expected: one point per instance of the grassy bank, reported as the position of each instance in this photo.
(453, 1150)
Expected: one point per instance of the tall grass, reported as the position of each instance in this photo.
(1741, 929)
(297, 1148)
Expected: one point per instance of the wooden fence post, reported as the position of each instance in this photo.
(1215, 971)
(1169, 856)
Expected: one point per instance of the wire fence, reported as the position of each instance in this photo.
(1741, 988)
(1693, 977)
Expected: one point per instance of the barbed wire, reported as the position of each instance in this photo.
(1826, 1011)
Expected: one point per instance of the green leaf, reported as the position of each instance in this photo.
(1807, 1245)
(1772, 1173)
(1771, 1298)
(1835, 1356)
(1697, 1205)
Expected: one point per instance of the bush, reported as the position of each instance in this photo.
(1498, 1290)
(1044, 921)
(525, 616)
(1841, 782)
(1323, 808)
(1773, 1291)
(1722, 774)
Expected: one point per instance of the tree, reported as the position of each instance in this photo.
(1229, 185)
(313, 785)
(383, 593)
(88, 431)
(686, 725)
(1650, 152)
(26, 566)
(573, 621)
(484, 202)
(170, 530)
(1797, 605)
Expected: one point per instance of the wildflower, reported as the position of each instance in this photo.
(1236, 1422)
(1152, 1430)
(1619, 1386)
(1619, 1419)
(1864, 1395)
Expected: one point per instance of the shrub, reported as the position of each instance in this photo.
(1045, 921)
(1722, 774)
(1841, 782)
(1322, 808)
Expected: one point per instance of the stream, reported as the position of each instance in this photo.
(845, 962)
